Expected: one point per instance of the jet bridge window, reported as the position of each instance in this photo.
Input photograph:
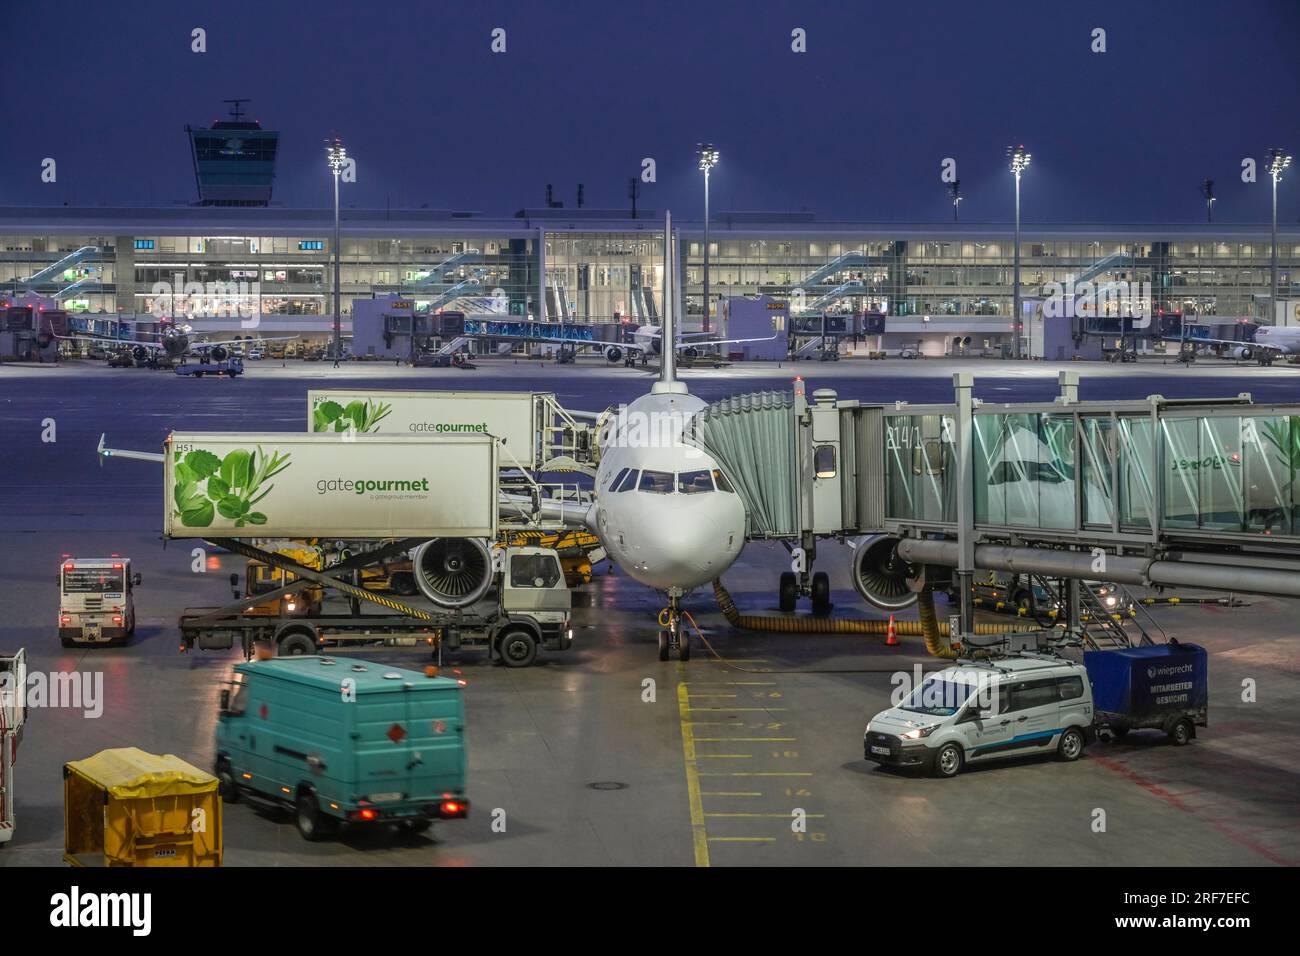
(657, 482)
(694, 482)
(824, 461)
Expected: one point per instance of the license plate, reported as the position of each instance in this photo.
(880, 750)
(384, 797)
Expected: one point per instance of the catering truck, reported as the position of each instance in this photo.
(96, 600)
(343, 741)
(531, 426)
(528, 609)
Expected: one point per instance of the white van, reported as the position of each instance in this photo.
(976, 711)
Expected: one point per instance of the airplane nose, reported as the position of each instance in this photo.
(691, 545)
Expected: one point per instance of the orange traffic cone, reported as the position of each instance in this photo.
(891, 635)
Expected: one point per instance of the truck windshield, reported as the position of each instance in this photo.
(92, 580)
(534, 571)
(938, 697)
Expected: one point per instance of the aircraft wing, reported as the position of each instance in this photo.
(765, 338)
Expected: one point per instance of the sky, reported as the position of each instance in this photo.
(856, 127)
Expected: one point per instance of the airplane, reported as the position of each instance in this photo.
(664, 511)
(175, 343)
(1271, 342)
(648, 340)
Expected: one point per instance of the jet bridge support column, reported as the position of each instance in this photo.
(1069, 383)
(963, 383)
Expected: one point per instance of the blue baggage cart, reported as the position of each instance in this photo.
(1162, 687)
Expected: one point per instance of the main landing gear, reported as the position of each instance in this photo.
(797, 582)
(672, 633)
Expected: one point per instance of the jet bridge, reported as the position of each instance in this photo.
(1158, 492)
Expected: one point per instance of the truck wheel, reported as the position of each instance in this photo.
(1070, 747)
(1180, 735)
(787, 591)
(821, 593)
(226, 785)
(308, 818)
(518, 648)
(948, 761)
(295, 644)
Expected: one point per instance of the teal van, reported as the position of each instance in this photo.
(343, 740)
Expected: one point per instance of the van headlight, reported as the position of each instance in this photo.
(916, 733)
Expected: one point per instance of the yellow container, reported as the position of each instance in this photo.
(125, 807)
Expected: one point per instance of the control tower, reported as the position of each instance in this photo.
(234, 160)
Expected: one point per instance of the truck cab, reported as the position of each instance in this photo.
(96, 600)
(535, 604)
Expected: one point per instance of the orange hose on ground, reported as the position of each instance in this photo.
(927, 627)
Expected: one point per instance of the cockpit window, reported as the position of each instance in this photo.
(627, 482)
(721, 481)
(694, 482)
(658, 482)
(613, 485)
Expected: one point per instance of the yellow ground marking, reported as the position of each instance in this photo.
(758, 773)
(731, 793)
(784, 816)
(714, 740)
(762, 710)
(700, 756)
(742, 839)
(699, 838)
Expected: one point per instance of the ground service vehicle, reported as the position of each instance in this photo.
(226, 368)
(125, 807)
(13, 714)
(343, 740)
(96, 600)
(977, 711)
(529, 609)
(1161, 687)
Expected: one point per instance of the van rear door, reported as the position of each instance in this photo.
(437, 741)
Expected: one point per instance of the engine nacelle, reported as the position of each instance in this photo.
(140, 353)
(613, 354)
(690, 352)
(218, 353)
(1243, 352)
(882, 577)
(453, 572)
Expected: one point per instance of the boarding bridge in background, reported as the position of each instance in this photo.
(1158, 492)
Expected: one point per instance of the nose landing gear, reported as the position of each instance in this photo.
(672, 634)
(797, 582)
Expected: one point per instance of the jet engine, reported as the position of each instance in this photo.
(453, 572)
(140, 353)
(218, 353)
(1243, 352)
(882, 577)
(613, 354)
(690, 352)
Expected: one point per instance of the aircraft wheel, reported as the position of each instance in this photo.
(663, 645)
(787, 591)
(684, 647)
(821, 593)
(198, 374)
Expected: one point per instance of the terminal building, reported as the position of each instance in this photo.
(939, 288)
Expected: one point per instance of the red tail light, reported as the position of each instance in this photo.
(67, 567)
(65, 619)
(366, 814)
(117, 619)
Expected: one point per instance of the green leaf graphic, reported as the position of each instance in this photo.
(217, 487)
(199, 516)
(202, 463)
(237, 468)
